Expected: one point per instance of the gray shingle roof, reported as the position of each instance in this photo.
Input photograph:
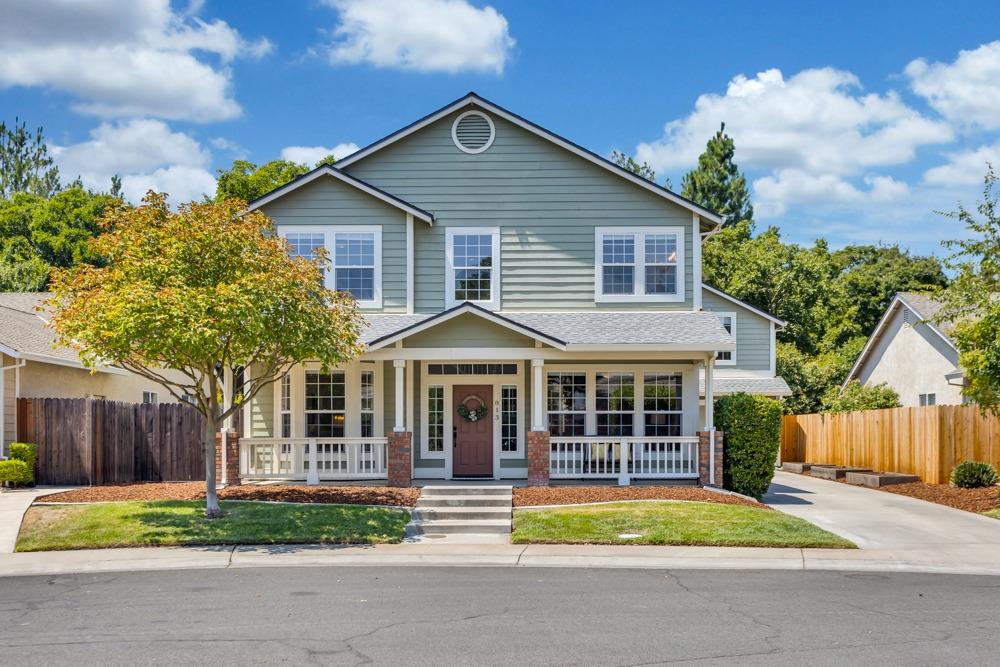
(775, 386)
(667, 328)
(927, 307)
(23, 329)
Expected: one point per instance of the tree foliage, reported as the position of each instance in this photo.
(248, 181)
(201, 291)
(717, 183)
(25, 163)
(629, 163)
(856, 396)
(972, 300)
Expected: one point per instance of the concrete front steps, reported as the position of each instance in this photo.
(462, 510)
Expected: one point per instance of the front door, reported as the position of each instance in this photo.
(472, 436)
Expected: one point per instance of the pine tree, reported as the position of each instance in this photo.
(717, 184)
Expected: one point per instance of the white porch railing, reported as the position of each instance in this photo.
(332, 458)
(602, 457)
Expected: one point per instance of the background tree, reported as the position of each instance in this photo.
(201, 291)
(717, 184)
(247, 181)
(972, 300)
(25, 163)
(644, 170)
(856, 396)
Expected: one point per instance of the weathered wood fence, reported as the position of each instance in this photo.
(925, 441)
(94, 441)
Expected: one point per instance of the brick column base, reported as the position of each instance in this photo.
(538, 458)
(703, 458)
(232, 458)
(400, 452)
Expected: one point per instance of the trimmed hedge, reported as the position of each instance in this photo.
(14, 472)
(974, 475)
(27, 452)
(751, 427)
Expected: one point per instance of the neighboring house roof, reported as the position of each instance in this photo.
(923, 306)
(729, 297)
(354, 181)
(768, 386)
(578, 330)
(472, 99)
(25, 333)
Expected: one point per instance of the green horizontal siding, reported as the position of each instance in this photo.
(753, 333)
(546, 201)
(327, 201)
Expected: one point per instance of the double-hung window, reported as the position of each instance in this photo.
(326, 405)
(662, 403)
(473, 266)
(566, 394)
(728, 357)
(636, 264)
(354, 257)
(615, 403)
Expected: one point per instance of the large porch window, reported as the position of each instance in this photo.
(662, 404)
(567, 403)
(325, 404)
(615, 403)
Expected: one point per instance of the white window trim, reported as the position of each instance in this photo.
(154, 397)
(329, 240)
(732, 353)
(353, 398)
(636, 410)
(639, 284)
(473, 151)
(449, 252)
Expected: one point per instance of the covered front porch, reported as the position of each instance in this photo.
(483, 397)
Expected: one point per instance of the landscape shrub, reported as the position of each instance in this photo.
(27, 452)
(974, 475)
(751, 427)
(14, 472)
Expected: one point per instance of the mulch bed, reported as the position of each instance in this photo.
(970, 500)
(572, 495)
(348, 495)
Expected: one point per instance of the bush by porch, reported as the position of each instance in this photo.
(174, 523)
(670, 523)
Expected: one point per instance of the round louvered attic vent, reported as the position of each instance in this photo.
(473, 132)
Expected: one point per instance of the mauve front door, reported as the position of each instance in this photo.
(473, 437)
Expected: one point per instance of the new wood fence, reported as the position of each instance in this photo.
(925, 441)
(92, 441)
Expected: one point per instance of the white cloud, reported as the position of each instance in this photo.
(786, 187)
(147, 154)
(886, 188)
(964, 167)
(421, 35)
(124, 59)
(966, 91)
(310, 155)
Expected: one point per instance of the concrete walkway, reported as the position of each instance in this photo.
(13, 504)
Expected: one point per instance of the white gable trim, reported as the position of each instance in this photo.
(743, 304)
(435, 320)
(475, 100)
(877, 334)
(327, 170)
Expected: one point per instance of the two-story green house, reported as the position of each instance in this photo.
(534, 312)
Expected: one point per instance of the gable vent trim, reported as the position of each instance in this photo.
(473, 132)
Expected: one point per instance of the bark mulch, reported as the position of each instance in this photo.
(970, 500)
(573, 495)
(349, 495)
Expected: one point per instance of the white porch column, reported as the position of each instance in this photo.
(710, 393)
(227, 395)
(400, 420)
(537, 396)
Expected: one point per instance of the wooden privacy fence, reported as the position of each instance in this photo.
(94, 441)
(926, 441)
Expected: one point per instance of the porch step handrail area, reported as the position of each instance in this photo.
(606, 457)
(332, 458)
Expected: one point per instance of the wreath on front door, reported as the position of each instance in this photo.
(474, 414)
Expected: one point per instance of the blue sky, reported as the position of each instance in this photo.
(853, 120)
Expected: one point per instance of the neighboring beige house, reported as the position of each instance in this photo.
(31, 367)
(912, 354)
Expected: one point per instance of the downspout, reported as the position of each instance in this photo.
(3, 402)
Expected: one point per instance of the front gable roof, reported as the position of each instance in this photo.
(474, 100)
(353, 181)
(778, 322)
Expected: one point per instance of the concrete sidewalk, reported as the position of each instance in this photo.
(880, 520)
(932, 560)
(13, 504)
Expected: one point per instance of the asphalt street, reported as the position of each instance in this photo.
(497, 616)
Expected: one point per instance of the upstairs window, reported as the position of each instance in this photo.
(639, 264)
(354, 254)
(473, 258)
(728, 320)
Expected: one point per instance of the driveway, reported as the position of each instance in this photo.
(878, 520)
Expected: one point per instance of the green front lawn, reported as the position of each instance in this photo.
(682, 523)
(995, 514)
(178, 522)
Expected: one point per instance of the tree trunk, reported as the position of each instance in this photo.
(212, 509)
